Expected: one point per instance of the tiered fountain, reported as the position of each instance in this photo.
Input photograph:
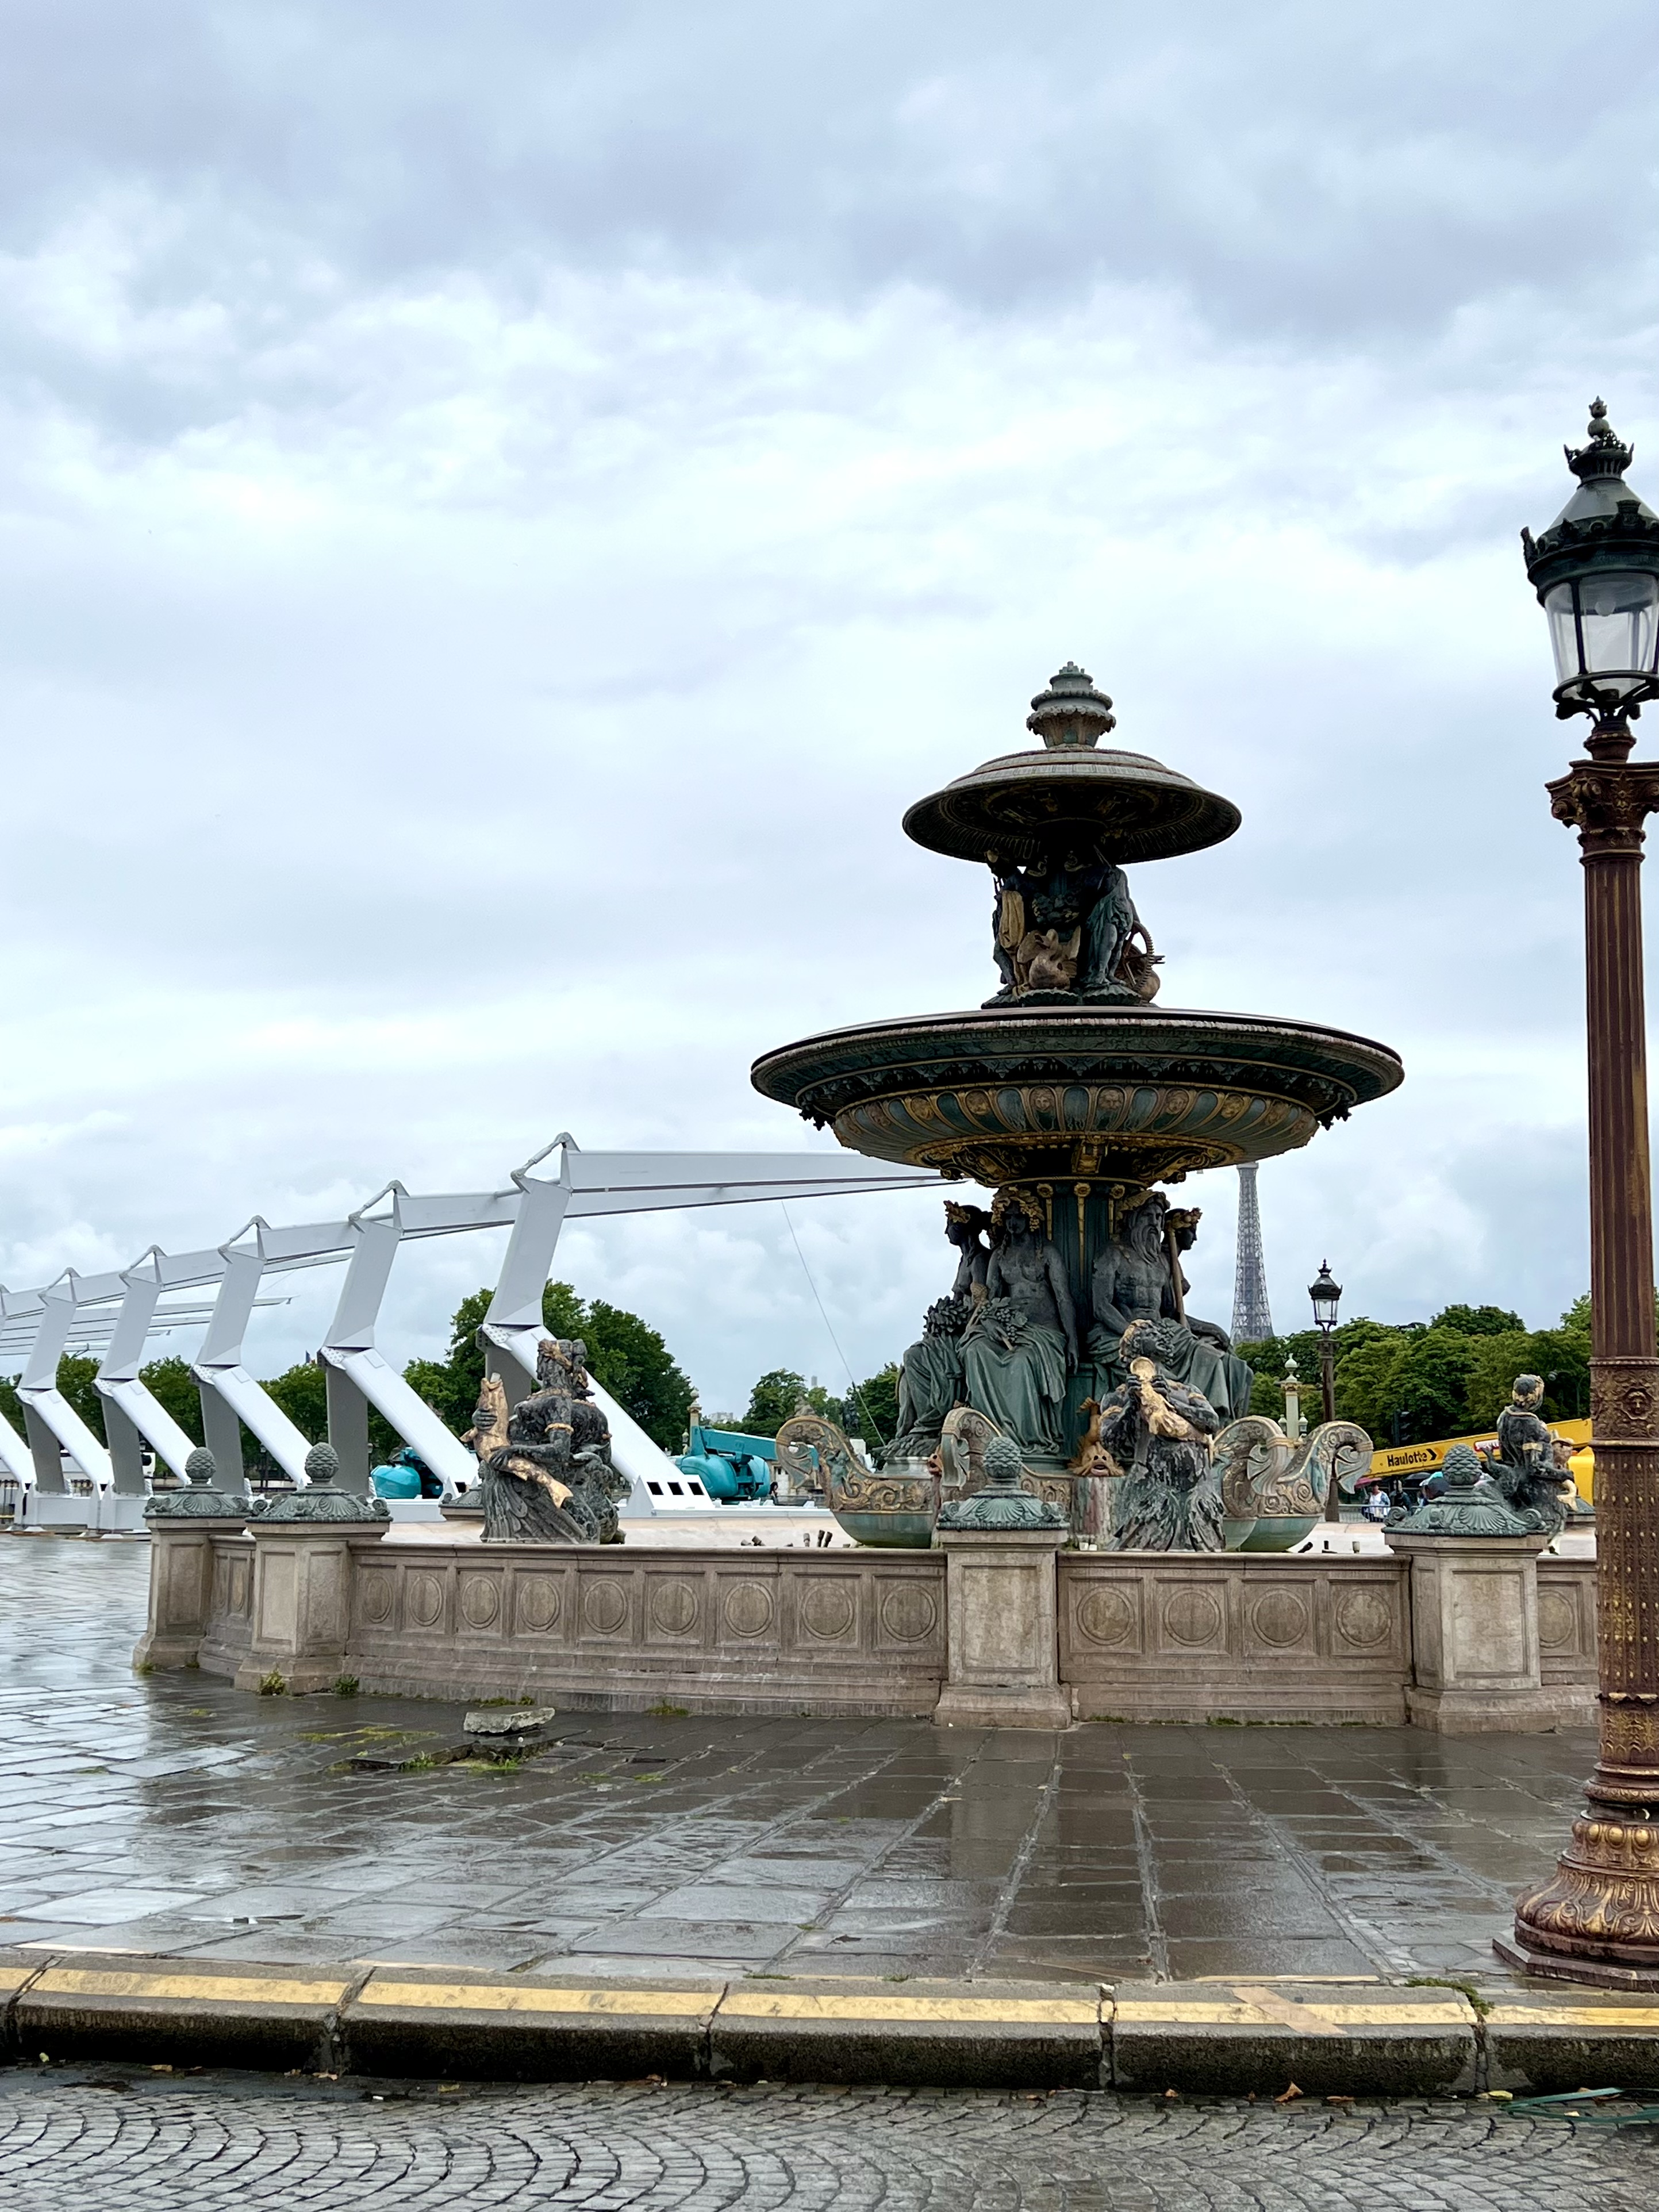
(1071, 1093)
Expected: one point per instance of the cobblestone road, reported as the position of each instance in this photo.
(173, 1814)
(106, 2140)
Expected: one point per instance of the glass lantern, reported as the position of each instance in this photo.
(1604, 627)
(1325, 1293)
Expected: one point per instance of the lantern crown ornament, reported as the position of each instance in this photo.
(1605, 455)
(1595, 571)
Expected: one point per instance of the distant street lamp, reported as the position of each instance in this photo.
(1595, 570)
(1326, 1295)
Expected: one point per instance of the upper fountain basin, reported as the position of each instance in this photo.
(1133, 1093)
(1028, 807)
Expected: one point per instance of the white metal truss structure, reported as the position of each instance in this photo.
(125, 1309)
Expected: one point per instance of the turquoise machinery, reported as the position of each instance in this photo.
(730, 1466)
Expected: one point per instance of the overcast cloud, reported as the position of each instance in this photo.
(502, 507)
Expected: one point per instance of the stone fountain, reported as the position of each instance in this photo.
(1071, 1094)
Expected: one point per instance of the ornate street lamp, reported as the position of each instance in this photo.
(1326, 1295)
(1596, 571)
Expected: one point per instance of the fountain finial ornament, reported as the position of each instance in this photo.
(199, 1497)
(321, 1501)
(1071, 712)
(1003, 1502)
(1469, 1505)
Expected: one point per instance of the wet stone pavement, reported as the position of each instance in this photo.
(173, 1815)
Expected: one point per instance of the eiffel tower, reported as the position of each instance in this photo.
(1252, 1320)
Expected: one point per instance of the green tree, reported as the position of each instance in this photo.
(625, 1355)
(173, 1386)
(1430, 1384)
(451, 1386)
(303, 1393)
(435, 1380)
(76, 1374)
(1356, 1400)
(773, 1399)
(1562, 1355)
(869, 1409)
(630, 1358)
(1498, 1359)
(1364, 1378)
(10, 1404)
(1478, 1321)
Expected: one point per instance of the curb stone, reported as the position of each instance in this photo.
(426, 2020)
(1228, 2038)
(936, 2034)
(1330, 2039)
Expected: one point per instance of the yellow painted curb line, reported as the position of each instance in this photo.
(1264, 2009)
(224, 1989)
(1575, 2016)
(518, 1997)
(780, 2004)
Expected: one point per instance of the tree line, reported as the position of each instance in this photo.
(1405, 1383)
(1411, 1381)
(869, 1410)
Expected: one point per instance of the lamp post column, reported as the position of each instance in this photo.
(1326, 1294)
(1327, 1393)
(1598, 1919)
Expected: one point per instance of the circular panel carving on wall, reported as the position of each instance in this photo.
(908, 1613)
(827, 1611)
(1106, 1616)
(377, 1597)
(1192, 1617)
(1280, 1618)
(539, 1602)
(604, 1607)
(426, 1599)
(673, 1609)
(1363, 1619)
(481, 1599)
(748, 1609)
(1558, 1620)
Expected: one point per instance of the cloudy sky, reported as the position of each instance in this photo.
(502, 507)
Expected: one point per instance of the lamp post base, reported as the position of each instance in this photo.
(1598, 1920)
(1550, 1966)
